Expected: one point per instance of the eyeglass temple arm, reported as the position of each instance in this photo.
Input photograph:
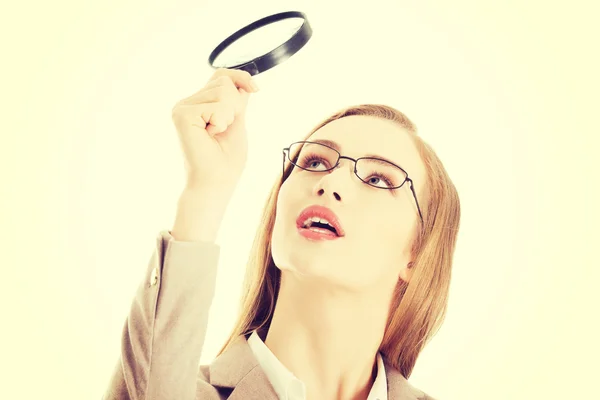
(283, 166)
(415, 196)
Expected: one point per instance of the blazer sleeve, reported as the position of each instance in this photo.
(163, 335)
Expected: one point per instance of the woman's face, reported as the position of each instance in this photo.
(377, 224)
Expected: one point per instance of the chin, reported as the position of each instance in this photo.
(307, 266)
(294, 253)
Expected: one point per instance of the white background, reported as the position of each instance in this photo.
(506, 92)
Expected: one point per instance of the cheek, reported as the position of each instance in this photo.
(392, 231)
(380, 243)
(277, 249)
(284, 221)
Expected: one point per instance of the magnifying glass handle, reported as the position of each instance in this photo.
(249, 67)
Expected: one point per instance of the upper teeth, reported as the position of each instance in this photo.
(309, 221)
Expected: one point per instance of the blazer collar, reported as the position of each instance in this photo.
(238, 369)
(398, 386)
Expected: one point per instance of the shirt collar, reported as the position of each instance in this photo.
(288, 386)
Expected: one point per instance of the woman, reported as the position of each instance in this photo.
(348, 277)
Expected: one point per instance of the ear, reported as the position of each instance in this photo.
(406, 272)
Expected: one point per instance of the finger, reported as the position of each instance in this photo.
(216, 90)
(241, 79)
(213, 130)
(220, 121)
(203, 116)
(195, 114)
(210, 95)
(216, 118)
(225, 80)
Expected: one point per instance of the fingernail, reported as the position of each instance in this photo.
(253, 85)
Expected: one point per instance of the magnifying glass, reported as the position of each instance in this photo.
(263, 44)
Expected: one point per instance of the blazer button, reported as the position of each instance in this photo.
(154, 277)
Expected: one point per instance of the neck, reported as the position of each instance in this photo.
(328, 339)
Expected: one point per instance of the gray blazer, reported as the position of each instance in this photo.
(164, 333)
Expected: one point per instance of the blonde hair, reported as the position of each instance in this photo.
(418, 306)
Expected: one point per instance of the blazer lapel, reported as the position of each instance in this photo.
(237, 369)
(398, 386)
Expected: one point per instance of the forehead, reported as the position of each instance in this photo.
(358, 136)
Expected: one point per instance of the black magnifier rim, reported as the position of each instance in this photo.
(273, 57)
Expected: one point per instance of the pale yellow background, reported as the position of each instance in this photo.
(506, 92)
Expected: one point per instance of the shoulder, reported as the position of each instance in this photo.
(412, 392)
(419, 394)
(399, 387)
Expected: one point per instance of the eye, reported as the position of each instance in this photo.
(380, 180)
(314, 163)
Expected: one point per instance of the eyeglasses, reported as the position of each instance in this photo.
(375, 172)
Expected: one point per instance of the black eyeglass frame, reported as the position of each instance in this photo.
(340, 156)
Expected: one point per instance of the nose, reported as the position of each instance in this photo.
(338, 183)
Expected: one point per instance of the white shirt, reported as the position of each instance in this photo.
(288, 387)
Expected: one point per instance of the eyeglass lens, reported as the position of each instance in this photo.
(319, 158)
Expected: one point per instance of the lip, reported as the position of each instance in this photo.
(321, 212)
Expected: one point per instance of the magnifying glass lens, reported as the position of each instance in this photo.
(258, 42)
(263, 44)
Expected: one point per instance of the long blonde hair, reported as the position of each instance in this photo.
(418, 306)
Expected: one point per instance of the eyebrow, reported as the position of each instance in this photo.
(336, 146)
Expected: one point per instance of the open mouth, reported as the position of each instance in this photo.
(319, 222)
(321, 225)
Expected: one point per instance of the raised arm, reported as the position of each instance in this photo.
(163, 335)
